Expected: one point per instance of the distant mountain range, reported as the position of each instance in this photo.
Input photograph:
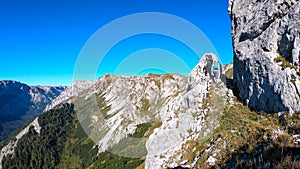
(20, 104)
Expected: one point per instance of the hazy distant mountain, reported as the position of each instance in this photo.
(20, 104)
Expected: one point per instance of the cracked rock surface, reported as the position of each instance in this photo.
(266, 41)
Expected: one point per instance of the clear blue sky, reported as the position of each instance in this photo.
(41, 40)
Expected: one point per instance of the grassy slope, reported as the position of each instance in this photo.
(251, 141)
(247, 139)
(62, 143)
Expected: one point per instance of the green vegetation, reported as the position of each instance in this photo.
(285, 63)
(229, 73)
(108, 160)
(43, 151)
(130, 147)
(156, 124)
(141, 130)
(250, 140)
(79, 150)
(62, 143)
(103, 107)
(145, 105)
(193, 148)
(206, 140)
(134, 144)
(294, 121)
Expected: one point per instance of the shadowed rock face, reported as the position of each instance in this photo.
(20, 104)
(266, 41)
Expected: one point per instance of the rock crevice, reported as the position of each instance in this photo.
(266, 53)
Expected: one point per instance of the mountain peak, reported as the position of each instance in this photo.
(209, 66)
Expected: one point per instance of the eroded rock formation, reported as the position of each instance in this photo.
(266, 41)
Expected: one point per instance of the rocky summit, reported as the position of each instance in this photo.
(266, 41)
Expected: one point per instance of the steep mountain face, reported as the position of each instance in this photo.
(20, 104)
(72, 91)
(266, 41)
(187, 118)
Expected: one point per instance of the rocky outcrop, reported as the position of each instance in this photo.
(72, 91)
(183, 118)
(266, 41)
(187, 118)
(124, 103)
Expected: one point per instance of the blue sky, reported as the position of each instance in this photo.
(41, 40)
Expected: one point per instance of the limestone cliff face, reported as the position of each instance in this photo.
(266, 41)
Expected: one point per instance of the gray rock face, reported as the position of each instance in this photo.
(72, 91)
(266, 41)
(186, 118)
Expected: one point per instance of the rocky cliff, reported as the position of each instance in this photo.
(266, 41)
(72, 91)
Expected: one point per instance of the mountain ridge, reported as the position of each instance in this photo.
(112, 109)
(20, 103)
(201, 125)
